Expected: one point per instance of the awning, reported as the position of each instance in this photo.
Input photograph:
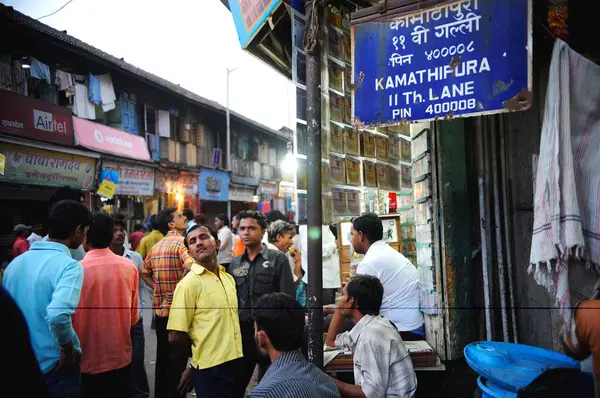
(101, 138)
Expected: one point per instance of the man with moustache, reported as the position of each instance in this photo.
(204, 317)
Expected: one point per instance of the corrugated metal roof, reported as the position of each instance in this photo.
(44, 29)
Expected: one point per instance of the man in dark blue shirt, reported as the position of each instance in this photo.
(279, 328)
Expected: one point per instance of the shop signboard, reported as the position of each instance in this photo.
(214, 185)
(165, 181)
(241, 194)
(187, 183)
(27, 117)
(101, 138)
(33, 166)
(133, 180)
(460, 58)
(109, 181)
(250, 15)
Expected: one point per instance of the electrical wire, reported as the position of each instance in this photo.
(49, 15)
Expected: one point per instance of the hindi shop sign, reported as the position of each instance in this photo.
(133, 180)
(25, 165)
(463, 58)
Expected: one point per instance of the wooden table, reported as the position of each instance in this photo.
(423, 357)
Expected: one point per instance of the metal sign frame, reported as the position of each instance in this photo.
(386, 12)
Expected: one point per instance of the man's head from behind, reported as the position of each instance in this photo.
(361, 296)
(68, 221)
(188, 214)
(100, 234)
(366, 230)
(64, 193)
(252, 227)
(170, 219)
(202, 243)
(278, 323)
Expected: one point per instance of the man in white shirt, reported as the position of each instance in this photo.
(382, 364)
(399, 277)
(225, 254)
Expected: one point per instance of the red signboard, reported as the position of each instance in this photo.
(31, 118)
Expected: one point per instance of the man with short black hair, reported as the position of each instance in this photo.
(46, 283)
(204, 318)
(399, 277)
(67, 193)
(165, 265)
(258, 271)
(107, 311)
(279, 333)
(138, 380)
(226, 238)
(382, 364)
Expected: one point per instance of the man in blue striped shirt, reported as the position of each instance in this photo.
(279, 329)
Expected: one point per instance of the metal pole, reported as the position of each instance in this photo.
(228, 138)
(498, 228)
(507, 229)
(314, 199)
(483, 228)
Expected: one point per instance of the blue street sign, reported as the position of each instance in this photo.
(463, 58)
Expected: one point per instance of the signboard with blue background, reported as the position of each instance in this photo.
(250, 15)
(461, 58)
(213, 185)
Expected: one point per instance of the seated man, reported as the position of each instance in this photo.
(279, 328)
(382, 365)
(399, 277)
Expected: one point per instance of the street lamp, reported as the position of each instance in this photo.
(229, 70)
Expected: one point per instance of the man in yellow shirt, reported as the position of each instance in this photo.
(204, 318)
(151, 239)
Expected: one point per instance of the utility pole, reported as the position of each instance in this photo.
(312, 46)
(228, 138)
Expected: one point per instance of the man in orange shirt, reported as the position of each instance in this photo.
(163, 268)
(107, 310)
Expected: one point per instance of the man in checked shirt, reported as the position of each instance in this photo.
(164, 267)
(382, 366)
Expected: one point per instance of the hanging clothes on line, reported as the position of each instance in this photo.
(567, 188)
(6, 78)
(64, 80)
(82, 106)
(94, 90)
(19, 78)
(39, 70)
(107, 92)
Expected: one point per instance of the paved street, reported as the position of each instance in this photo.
(150, 335)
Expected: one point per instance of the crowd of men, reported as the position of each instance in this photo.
(224, 301)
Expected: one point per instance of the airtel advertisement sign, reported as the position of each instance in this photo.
(101, 138)
(31, 118)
